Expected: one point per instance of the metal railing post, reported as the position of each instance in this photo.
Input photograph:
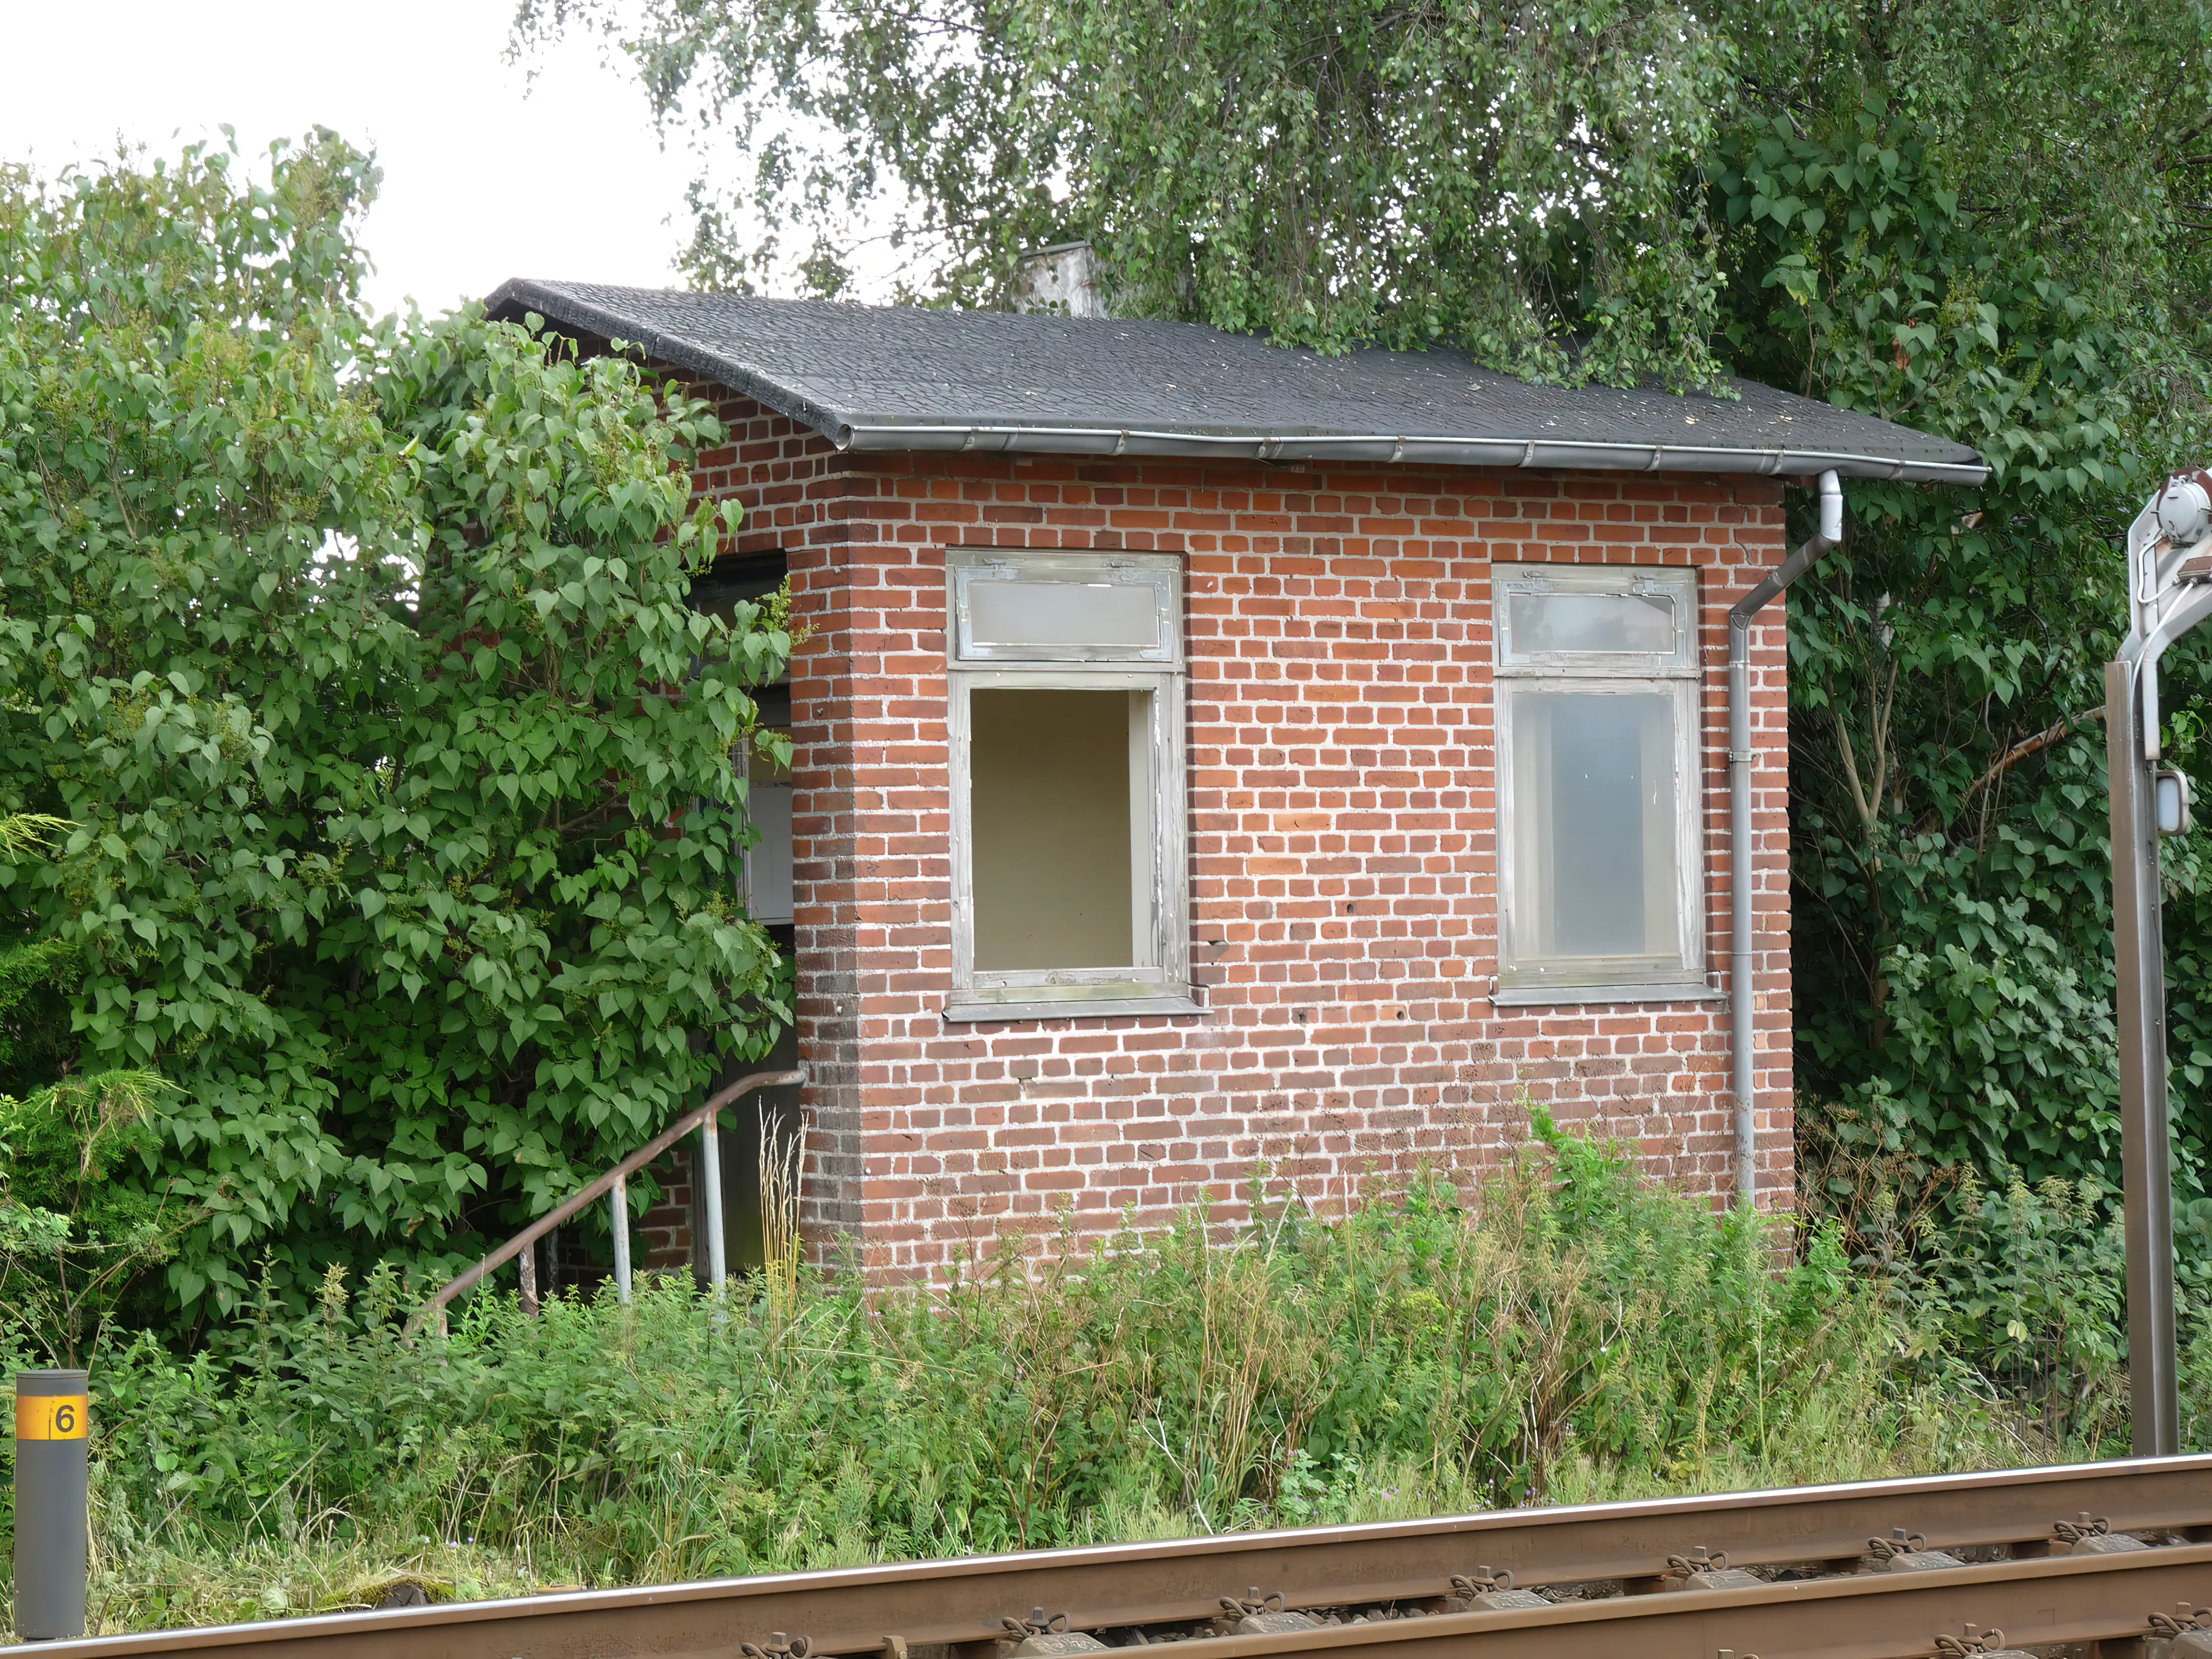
(613, 1182)
(527, 1264)
(619, 1197)
(710, 1153)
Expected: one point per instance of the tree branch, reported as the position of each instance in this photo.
(2029, 747)
(1851, 779)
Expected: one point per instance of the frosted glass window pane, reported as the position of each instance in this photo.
(1049, 825)
(1594, 809)
(768, 890)
(1592, 622)
(1008, 613)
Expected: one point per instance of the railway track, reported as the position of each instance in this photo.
(2106, 1559)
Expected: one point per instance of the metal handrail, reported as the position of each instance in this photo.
(701, 1118)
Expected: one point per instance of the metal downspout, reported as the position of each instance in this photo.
(1742, 998)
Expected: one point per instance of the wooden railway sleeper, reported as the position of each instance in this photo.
(1906, 1552)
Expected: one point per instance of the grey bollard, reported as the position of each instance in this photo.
(53, 1426)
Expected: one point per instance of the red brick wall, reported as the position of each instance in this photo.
(661, 1240)
(1343, 849)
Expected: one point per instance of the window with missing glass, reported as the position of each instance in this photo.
(1602, 862)
(1066, 687)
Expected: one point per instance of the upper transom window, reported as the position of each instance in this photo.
(1602, 619)
(1067, 607)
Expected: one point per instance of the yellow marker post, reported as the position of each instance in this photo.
(53, 1426)
(53, 1417)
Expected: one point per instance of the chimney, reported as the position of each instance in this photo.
(1063, 278)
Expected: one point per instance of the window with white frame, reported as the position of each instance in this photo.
(1600, 850)
(1066, 718)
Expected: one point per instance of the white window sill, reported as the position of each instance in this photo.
(1539, 996)
(1069, 1008)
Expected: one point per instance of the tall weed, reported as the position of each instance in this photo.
(1572, 1330)
(2021, 1289)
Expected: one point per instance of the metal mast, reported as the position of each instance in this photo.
(2169, 592)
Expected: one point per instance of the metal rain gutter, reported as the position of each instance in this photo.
(1567, 453)
(1743, 996)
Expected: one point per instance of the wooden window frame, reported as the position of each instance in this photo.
(1531, 979)
(1159, 983)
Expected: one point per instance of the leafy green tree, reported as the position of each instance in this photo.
(1961, 916)
(403, 819)
(1331, 172)
(1968, 219)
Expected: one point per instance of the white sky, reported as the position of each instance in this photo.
(481, 180)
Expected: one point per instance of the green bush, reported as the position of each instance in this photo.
(399, 823)
(1572, 1330)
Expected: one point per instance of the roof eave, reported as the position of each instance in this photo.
(848, 431)
(1547, 453)
(563, 308)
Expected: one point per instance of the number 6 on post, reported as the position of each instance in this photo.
(53, 1417)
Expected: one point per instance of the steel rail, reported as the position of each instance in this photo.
(2035, 1603)
(854, 1610)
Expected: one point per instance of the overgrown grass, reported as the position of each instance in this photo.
(1575, 1334)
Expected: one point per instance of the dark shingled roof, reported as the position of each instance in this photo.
(877, 377)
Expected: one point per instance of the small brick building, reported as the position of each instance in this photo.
(1211, 759)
